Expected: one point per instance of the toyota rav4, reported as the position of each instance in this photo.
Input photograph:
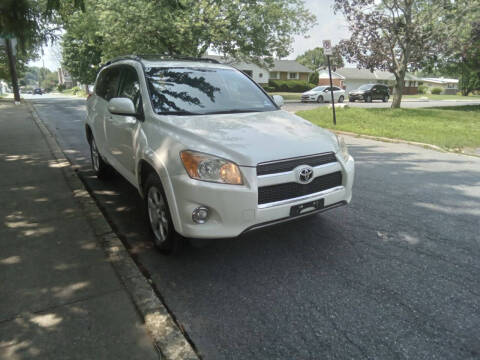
(211, 153)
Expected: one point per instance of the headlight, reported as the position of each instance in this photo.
(206, 167)
(342, 148)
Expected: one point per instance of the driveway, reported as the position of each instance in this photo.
(395, 275)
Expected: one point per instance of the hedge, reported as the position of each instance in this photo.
(422, 89)
(437, 91)
(289, 85)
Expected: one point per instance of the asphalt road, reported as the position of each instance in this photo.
(395, 275)
(297, 106)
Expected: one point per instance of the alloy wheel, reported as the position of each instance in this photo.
(157, 214)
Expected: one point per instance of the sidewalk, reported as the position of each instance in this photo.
(60, 297)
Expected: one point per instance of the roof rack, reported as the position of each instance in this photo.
(175, 57)
(154, 57)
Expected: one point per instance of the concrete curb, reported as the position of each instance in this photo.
(167, 336)
(399, 141)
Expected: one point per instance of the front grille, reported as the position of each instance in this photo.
(290, 164)
(278, 192)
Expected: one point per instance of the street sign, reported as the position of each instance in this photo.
(327, 47)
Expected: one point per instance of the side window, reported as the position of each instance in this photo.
(107, 83)
(100, 85)
(335, 88)
(130, 88)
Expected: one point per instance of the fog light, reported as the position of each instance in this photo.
(200, 215)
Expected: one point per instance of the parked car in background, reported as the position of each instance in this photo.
(322, 94)
(370, 92)
(212, 155)
(37, 91)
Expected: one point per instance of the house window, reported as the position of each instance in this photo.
(260, 75)
(275, 75)
(293, 76)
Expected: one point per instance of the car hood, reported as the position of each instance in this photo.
(252, 138)
(310, 92)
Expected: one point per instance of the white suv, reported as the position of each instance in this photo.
(210, 152)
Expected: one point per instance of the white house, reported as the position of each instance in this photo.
(354, 77)
(449, 86)
(4, 87)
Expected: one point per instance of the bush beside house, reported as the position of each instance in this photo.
(436, 91)
(289, 85)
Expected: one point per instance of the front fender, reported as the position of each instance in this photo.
(157, 163)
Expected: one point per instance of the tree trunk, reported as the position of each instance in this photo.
(13, 69)
(398, 90)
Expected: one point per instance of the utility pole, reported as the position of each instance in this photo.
(327, 50)
(13, 68)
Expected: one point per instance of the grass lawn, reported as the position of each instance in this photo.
(442, 97)
(451, 128)
(288, 95)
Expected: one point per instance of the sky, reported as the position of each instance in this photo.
(329, 27)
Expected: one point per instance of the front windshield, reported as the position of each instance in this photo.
(365, 87)
(198, 91)
(319, 88)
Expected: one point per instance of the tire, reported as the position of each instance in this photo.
(340, 99)
(164, 236)
(368, 99)
(100, 167)
(385, 98)
(320, 99)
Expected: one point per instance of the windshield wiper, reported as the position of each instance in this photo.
(181, 112)
(233, 111)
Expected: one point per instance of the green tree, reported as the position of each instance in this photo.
(242, 29)
(82, 45)
(391, 35)
(314, 59)
(459, 54)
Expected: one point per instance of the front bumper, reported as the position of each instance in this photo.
(235, 209)
(356, 97)
(306, 98)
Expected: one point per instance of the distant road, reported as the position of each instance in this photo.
(297, 106)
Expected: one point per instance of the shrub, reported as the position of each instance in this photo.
(61, 87)
(422, 89)
(268, 88)
(290, 85)
(437, 91)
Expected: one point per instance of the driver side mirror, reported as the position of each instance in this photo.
(121, 106)
(278, 100)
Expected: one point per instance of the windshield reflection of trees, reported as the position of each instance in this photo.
(172, 79)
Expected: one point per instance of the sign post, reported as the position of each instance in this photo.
(327, 50)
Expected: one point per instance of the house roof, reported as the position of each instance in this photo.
(323, 74)
(440, 80)
(278, 65)
(364, 74)
(289, 66)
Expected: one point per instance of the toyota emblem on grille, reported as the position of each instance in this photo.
(305, 174)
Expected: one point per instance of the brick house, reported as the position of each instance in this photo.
(353, 78)
(281, 70)
(324, 79)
